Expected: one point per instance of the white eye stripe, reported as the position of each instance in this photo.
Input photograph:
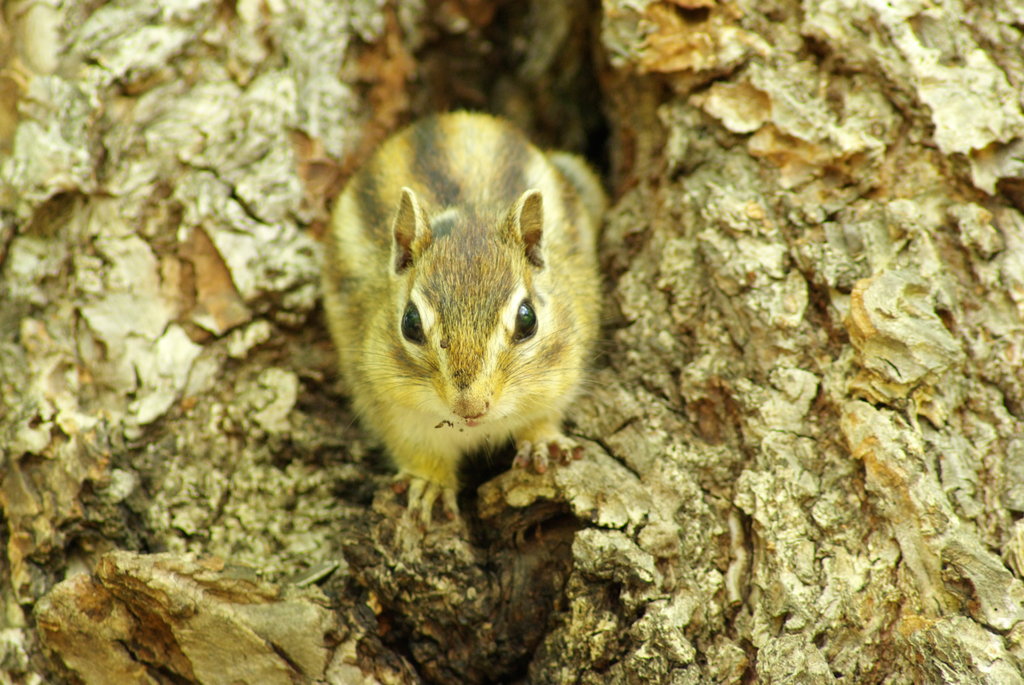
(508, 317)
(427, 316)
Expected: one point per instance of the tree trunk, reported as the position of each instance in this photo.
(805, 432)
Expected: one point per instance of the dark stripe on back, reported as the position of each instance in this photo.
(512, 181)
(374, 215)
(430, 164)
(570, 204)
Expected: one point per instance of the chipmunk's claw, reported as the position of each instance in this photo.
(423, 494)
(544, 452)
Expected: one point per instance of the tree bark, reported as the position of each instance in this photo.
(805, 431)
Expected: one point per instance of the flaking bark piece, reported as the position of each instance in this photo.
(138, 618)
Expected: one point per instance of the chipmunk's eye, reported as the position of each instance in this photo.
(526, 322)
(412, 327)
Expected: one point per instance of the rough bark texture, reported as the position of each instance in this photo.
(805, 436)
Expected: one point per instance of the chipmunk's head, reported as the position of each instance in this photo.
(471, 322)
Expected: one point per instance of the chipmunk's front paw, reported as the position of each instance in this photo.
(423, 494)
(542, 452)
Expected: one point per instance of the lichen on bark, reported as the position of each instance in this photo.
(804, 433)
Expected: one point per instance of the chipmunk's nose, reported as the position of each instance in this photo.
(471, 409)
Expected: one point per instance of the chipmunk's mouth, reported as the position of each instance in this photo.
(470, 423)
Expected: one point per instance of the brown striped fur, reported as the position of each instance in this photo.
(463, 250)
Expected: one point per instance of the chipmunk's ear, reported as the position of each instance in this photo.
(525, 225)
(411, 232)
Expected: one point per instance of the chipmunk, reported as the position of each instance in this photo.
(462, 293)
